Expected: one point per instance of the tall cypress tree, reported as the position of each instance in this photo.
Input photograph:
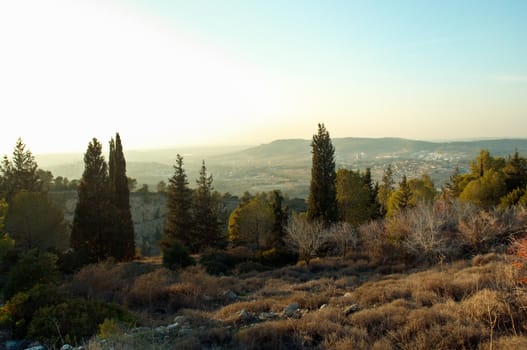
(124, 246)
(178, 223)
(94, 221)
(322, 202)
(206, 230)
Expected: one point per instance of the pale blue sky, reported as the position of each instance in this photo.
(168, 73)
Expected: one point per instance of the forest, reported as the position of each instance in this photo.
(360, 264)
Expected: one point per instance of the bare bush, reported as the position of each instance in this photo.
(306, 237)
(427, 238)
(344, 236)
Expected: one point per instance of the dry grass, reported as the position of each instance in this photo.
(469, 304)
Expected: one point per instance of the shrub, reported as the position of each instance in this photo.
(177, 256)
(18, 312)
(73, 321)
(109, 328)
(277, 257)
(217, 263)
(32, 268)
(151, 289)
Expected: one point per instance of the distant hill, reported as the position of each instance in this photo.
(285, 164)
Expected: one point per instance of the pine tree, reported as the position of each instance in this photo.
(124, 246)
(280, 216)
(385, 190)
(515, 172)
(206, 230)
(178, 223)
(400, 199)
(322, 201)
(19, 173)
(94, 221)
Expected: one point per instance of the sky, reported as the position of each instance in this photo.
(206, 72)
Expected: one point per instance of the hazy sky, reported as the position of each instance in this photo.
(168, 73)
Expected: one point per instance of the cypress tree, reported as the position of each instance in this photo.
(94, 221)
(206, 229)
(178, 223)
(322, 201)
(280, 216)
(124, 246)
(385, 190)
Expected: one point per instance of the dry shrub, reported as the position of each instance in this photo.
(480, 260)
(486, 306)
(150, 290)
(437, 327)
(375, 245)
(356, 338)
(380, 320)
(505, 343)
(276, 335)
(321, 327)
(382, 292)
(230, 313)
(101, 281)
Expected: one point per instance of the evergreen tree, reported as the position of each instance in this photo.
(385, 190)
(400, 199)
(124, 246)
(178, 223)
(515, 172)
(355, 196)
(206, 229)
(280, 216)
(19, 173)
(453, 188)
(94, 221)
(322, 201)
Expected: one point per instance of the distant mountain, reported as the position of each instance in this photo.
(285, 164)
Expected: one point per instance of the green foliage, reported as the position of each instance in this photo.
(178, 225)
(251, 223)
(277, 257)
(486, 190)
(19, 173)
(206, 231)
(385, 190)
(109, 328)
(355, 196)
(423, 189)
(515, 171)
(95, 220)
(73, 320)
(400, 199)
(17, 313)
(176, 256)
(33, 267)
(124, 247)
(512, 198)
(218, 262)
(484, 163)
(34, 221)
(322, 201)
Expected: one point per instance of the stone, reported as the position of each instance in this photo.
(264, 316)
(179, 319)
(244, 315)
(347, 295)
(37, 347)
(229, 294)
(351, 309)
(66, 347)
(160, 330)
(173, 328)
(290, 309)
(323, 306)
(140, 330)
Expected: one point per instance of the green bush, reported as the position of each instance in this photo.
(33, 267)
(218, 263)
(18, 312)
(176, 256)
(73, 320)
(277, 257)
